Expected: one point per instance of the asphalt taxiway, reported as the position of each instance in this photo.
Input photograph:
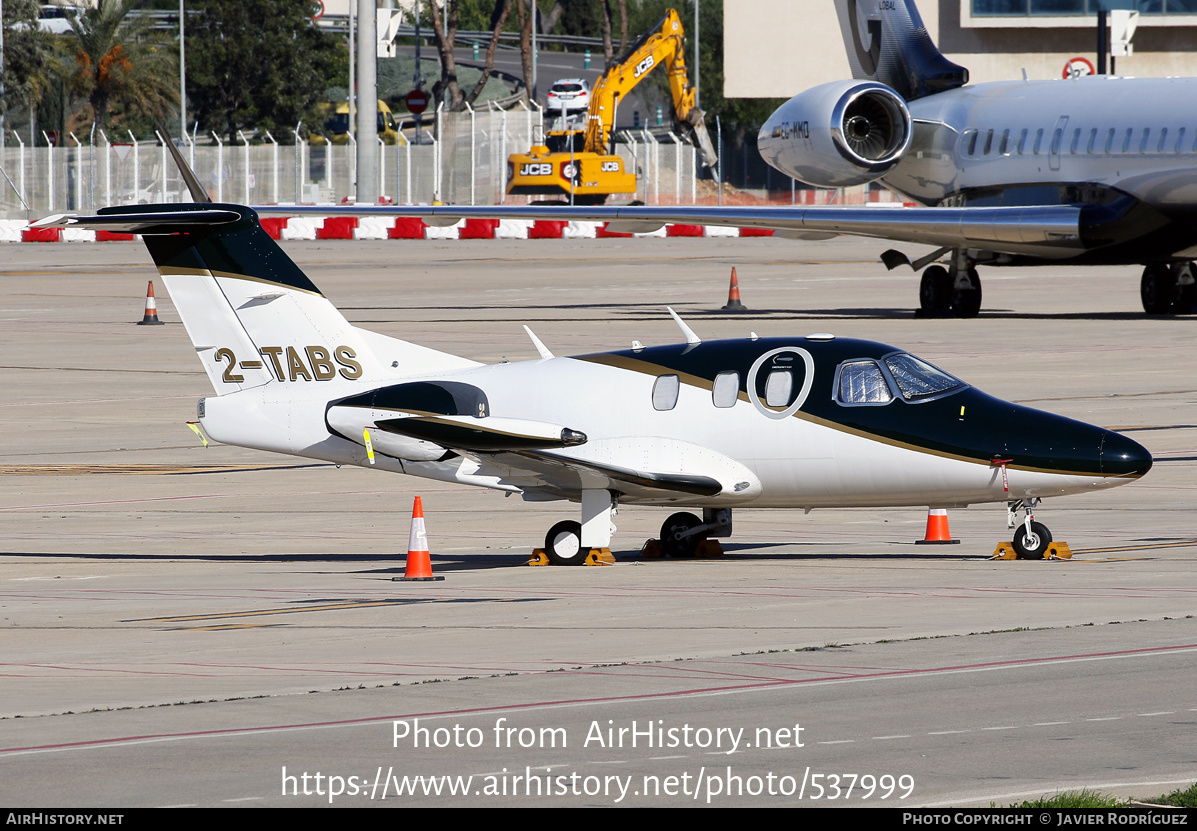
(183, 623)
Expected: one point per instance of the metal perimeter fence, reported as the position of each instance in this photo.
(461, 159)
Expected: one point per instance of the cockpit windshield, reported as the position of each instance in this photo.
(917, 379)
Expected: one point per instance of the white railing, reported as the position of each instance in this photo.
(462, 159)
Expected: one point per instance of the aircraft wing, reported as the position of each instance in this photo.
(553, 468)
(1043, 231)
(656, 469)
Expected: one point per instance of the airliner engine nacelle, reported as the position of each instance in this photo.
(838, 134)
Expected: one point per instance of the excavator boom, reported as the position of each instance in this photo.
(594, 172)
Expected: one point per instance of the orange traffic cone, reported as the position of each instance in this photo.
(937, 529)
(151, 308)
(733, 295)
(419, 563)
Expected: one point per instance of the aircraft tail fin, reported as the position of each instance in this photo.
(252, 314)
(888, 43)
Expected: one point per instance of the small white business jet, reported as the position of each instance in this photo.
(794, 422)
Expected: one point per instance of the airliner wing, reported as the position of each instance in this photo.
(1043, 231)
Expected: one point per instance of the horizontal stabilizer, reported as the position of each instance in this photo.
(160, 222)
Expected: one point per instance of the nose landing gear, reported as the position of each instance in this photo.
(1031, 539)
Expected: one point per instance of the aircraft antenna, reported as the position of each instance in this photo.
(198, 193)
(540, 347)
(691, 338)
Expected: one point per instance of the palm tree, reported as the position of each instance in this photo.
(119, 60)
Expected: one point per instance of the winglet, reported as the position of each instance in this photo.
(686, 330)
(198, 193)
(540, 347)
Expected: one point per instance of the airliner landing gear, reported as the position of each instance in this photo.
(935, 291)
(1031, 538)
(958, 290)
(1168, 289)
(966, 290)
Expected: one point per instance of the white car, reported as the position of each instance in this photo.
(572, 93)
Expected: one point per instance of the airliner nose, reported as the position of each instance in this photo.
(1121, 456)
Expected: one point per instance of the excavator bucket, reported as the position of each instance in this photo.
(701, 138)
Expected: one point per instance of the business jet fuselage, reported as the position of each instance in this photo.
(1125, 148)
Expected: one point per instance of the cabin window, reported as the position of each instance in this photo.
(1180, 140)
(1110, 140)
(861, 382)
(1076, 140)
(1126, 142)
(779, 388)
(1022, 142)
(665, 392)
(918, 380)
(1005, 147)
(726, 390)
(1163, 140)
(1143, 143)
(970, 139)
(1092, 141)
(988, 142)
(1057, 140)
(1038, 140)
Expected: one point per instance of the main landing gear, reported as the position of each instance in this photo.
(956, 292)
(1031, 538)
(570, 543)
(1168, 289)
(683, 535)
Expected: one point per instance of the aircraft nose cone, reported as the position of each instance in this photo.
(1121, 456)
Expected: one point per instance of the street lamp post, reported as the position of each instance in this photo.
(182, 76)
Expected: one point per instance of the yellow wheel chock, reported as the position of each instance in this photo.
(596, 557)
(1055, 551)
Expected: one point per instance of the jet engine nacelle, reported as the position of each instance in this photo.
(838, 134)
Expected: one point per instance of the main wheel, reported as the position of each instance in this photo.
(967, 302)
(1185, 291)
(1034, 545)
(671, 542)
(935, 290)
(563, 544)
(1157, 289)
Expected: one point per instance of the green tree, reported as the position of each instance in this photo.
(27, 57)
(258, 63)
(116, 60)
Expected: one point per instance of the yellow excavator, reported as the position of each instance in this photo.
(582, 164)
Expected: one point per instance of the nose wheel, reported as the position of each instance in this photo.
(1031, 538)
(1032, 543)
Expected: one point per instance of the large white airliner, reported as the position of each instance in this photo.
(1093, 170)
